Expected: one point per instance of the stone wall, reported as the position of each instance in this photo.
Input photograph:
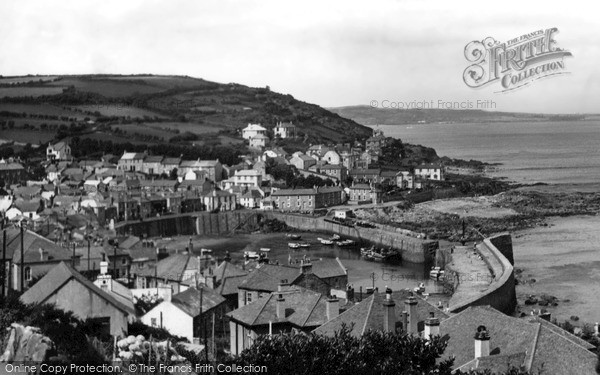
(414, 250)
(497, 253)
(200, 223)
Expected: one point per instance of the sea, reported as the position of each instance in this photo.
(554, 152)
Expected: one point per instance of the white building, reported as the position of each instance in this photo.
(248, 178)
(58, 151)
(259, 141)
(253, 130)
(252, 199)
(332, 157)
(430, 171)
(285, 130)
(187, 312)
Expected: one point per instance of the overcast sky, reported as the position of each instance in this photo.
(330, 53)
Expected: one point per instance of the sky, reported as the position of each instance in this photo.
(332, 53)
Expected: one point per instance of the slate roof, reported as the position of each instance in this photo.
(172, 267)
(153, 159)
(189, 300)
(10, 166)
(253, 193)
(331, 167)
(268, 276)
(543, 345)
(56, 278)
(230, 285)
(368, 314)
(32, 243)
(328, 267)
(171, 161)
(303, 309)
(429, 166)
(133, 156)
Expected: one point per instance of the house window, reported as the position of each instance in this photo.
(28, 273)
(124, 261)
(248, 297)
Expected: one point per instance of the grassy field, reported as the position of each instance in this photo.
(165, 82)
(105, 87)
(145, 130)
(27, 136)
(41, 109)
(199, 129)
(110, 137)
(12, 92)
(17, 80)
(118, 110)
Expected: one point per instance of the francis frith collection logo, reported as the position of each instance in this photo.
(515, 63)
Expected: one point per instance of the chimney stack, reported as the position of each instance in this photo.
(282, 284)
(410, 305)
(332, 307)
(280, 307)
(389, 313)
(305, 267)
(482, 342)
(432, 326)
(103, 267)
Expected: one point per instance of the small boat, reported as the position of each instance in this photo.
(377, 257)
(265, 249)
(293, 236)
(420, 289)
(304, 244)
(335, 237)
(325, 241)
(293, 245)
(365, 251)
(251, 254)
(341, 243)
(349, 242)
(207, 251)
(436, 273)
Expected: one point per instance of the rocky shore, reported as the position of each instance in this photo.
(515, 209)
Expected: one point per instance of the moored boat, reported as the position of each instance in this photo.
(293, 236)
(293, 245)
(304, 244)
(335, 237)
(251, 254)
(265, 249)
(325, 241)
(436, 273)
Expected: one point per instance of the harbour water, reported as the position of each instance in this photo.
(556, 152)
(361, 273)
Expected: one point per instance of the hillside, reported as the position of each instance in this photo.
(148, 108)
(367, 115)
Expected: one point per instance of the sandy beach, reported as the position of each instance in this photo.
(564, 260)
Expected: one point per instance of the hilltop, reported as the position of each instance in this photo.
(156, 109)
(368, 115)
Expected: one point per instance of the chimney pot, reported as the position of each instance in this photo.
(280, 307)
(332, 307)
(432, 326)
(482, 342)
(389, 314)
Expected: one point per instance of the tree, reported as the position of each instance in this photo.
(173, 174)
(374, 353)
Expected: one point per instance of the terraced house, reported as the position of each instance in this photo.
(307, 200)
(132, 161)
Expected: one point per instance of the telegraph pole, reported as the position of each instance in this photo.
(3, 261)
(22, 259)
